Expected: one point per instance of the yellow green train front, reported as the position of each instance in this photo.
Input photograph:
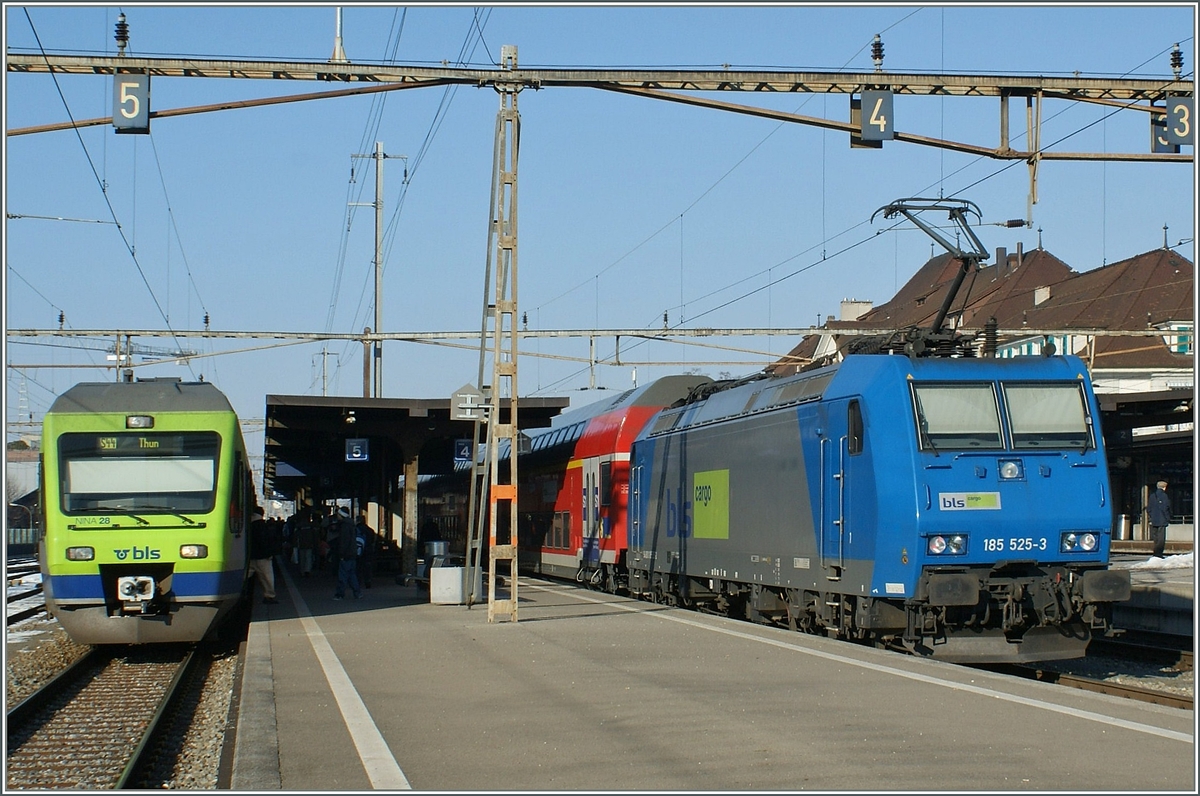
(147, 494)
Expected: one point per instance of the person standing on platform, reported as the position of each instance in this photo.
(263, 547)
(1159, 509)
(366, 559)
(307, 532)
(347, 552)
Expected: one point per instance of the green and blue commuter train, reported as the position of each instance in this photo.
(147, 495)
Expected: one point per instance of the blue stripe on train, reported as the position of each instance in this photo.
(185, 585)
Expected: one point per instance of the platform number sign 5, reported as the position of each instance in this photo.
(358, 450)
(877, 123)
(131, 103)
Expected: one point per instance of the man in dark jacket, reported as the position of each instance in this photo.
(366, 557)
(264, 545)
(1159, 509)
(347, 550)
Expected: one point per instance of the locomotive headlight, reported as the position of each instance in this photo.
(1011, 469)
(954, 544)
(139, 421)
(193, 551)
(1079, 542)
(81, 554)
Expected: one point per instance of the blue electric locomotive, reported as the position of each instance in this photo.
(956, 508)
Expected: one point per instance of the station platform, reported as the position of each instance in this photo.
(1163, 593)
(587, 691)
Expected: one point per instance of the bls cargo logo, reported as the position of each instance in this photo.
(968, 501)
(138, 554)
(706, 516)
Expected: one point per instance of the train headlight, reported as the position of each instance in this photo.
(139, 421)
(1080, 542)
(954, 544)
(193, 551)
(1011, 469)
(81, 553)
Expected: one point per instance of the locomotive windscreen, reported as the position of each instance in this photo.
(957, 416)
(1047, 416)
(138, 471)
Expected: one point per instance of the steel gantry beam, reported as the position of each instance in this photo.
(768, 81)
(1137, 94)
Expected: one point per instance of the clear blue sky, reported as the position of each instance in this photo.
(628, 207)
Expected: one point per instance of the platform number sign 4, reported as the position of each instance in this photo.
(876, 121)
(131, 103)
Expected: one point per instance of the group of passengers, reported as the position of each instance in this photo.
(320, 537)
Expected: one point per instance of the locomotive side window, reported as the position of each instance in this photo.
(956, 416)
(1047, 416)
(854, 428)
(139, 471)
(605, 483)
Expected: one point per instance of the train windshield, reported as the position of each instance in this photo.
(1047, 416)
(139, 471)
(957, 416)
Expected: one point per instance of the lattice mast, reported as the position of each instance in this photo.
(500, 330)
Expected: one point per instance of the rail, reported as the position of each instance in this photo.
(94, 725)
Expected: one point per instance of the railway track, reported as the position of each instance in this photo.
(92, 726)
(1117, 656)
(24, 604)
(1126, 690)
(1172, 651)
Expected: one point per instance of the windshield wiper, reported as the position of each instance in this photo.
(172, 512)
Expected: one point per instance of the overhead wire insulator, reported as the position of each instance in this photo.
(877, 53)
(1177, 61)
(122, 34)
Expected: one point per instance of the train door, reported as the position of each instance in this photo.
(841, 442)
(591, 511)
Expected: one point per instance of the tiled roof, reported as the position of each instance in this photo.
(1153, 288)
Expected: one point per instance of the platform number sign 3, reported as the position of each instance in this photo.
(131, 103)
(1172, 128)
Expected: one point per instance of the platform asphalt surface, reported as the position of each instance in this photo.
(593, 692)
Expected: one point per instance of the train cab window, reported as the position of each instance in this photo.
(956, 416)
(854, 428)
(146, 472)
(1047, 416)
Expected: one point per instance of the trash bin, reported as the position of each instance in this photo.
(1124, 530)
(446, 580)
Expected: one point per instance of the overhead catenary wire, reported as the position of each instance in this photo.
(412, 165)
(100, 183)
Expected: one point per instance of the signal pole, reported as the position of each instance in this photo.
(378, 156)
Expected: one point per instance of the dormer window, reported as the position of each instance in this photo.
(1180, 337)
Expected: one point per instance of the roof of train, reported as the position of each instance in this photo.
(663, 391)
(857, 373)
(150, 395)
